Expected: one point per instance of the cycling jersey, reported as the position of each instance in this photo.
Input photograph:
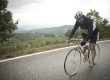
(88, 27)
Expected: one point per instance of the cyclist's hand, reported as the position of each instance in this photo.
(68, 41)
(83, 43)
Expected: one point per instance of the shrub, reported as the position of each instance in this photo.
(21, 46)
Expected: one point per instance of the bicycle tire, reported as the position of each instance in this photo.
(97, 54)
(72, 67)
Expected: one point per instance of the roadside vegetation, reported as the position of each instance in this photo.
(17, 44)
(21, 44)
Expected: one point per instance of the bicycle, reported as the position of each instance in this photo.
(74, 57)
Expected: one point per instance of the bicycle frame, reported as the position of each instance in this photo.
(80, 50)
(78, 46)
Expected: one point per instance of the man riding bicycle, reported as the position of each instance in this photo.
(90, 32)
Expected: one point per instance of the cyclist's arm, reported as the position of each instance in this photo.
(74, 30)
(90, 30)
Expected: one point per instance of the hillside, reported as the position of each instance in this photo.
(53, 30)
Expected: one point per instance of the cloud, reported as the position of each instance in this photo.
(19, 3)
(50, 13)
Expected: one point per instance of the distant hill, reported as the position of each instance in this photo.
(53, 30)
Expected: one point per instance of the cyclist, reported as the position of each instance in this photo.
(89, 32)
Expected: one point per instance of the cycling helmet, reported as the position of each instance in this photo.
(78, 15)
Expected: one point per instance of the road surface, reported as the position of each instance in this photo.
(49, 65)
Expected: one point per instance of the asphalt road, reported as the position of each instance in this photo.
(50, 66)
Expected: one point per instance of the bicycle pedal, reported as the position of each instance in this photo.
(85, 60)
(91, 65)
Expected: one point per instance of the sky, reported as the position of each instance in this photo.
(53, 13)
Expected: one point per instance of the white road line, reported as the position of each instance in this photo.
(35, 54)
(44, 52)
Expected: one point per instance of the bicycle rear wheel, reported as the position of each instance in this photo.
(72, 62)
(96, 55)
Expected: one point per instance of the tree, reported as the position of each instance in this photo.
(78, 31)
(7, 25)
(101, 23)
(93, 14)
(68, 33)
(105, 22)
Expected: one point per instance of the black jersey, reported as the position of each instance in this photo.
(88, 27)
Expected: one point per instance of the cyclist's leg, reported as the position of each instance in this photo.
(92, 47)
(93, 51)
(85, 47)
(82, 36)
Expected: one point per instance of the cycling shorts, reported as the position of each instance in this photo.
(94, 37)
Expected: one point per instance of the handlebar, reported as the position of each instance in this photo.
(78, 41)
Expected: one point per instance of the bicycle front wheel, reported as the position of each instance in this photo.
(72, 62)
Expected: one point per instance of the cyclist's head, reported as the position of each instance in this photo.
(79, 17)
